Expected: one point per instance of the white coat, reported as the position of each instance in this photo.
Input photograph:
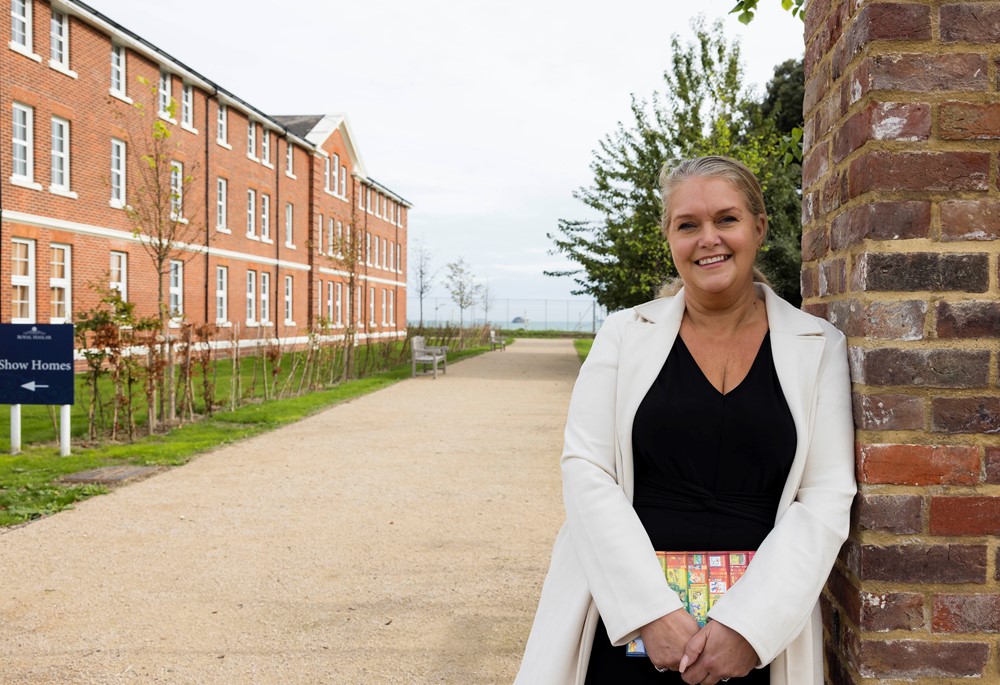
(603, 563)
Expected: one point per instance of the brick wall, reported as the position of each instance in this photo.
(901, 249)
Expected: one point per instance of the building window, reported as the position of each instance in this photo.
(251, 140)
(23, 168)
(187, 106)
(265, 146)
(22, 280)
(265, 217)
(368, 200)
(222, 125)
(378, 212)
(20, 25)
(118, 279)
(336, 173)
(221, 294)
(289, 156)
(319, 234)
(358, 307)
(329, 302)
(385, 254)
(251, 296)
(361, 198)
(343, 182)
(117, 172)
(60, 155)
(392, 308)
(288, 300)
(392, 256)
(340, 304)
(118, 70)
(251, 213)
(176, 288)
(326, 175)
(176, 191)
(221, 204)
(331, 241)
(289, 210)
(371, 306)
(375, 251)
(164, 95)
(265, 297)
(385, 305)
(368, 248)
(59, 41)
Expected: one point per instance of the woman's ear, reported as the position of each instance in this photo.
(761, 227)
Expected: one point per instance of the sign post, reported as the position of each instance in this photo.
(36, 367)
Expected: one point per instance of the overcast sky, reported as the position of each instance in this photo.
(483, 115)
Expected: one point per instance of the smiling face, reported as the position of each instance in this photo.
(713, 236)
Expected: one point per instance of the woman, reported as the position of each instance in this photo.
(716, 418)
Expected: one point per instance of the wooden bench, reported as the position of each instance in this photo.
(427, 355)
(496, 341)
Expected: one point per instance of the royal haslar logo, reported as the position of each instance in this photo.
(34, 333)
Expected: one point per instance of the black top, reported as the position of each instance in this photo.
(709, 471)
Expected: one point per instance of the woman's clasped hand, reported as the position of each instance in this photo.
(704, 656)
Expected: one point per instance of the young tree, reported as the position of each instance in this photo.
(486, 299)
(704, 109)
(424, 275)
(168, 228)
(462, 286)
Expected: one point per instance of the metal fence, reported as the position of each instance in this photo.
(583, 316)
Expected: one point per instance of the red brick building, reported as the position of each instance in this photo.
(277, 215)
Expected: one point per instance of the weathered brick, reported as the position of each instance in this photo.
(971, 515)
(976, 319)
(880, 221)
(977, 613)
(832, 277)
(925, 171)
(918, 464)
(921, 563)
(819, 309)
(920, 659)
(888, 412)
(899, 514)
(834, 191)
(817, 85)
(923, 368)
(970, 220)
(922, 271)
(815, 244)
(815, 17)
(888, 21)
(810, 281)
(905, 121)
(992, 462)
(977, 22)
(969, 121)
(965, 415)
(902, 320)
(887, 611)
(846, 593)
(810, 204)
(815, 164)
(917, 73)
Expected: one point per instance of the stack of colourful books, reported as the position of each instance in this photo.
(699, 579)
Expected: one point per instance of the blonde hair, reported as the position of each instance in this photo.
(712, 166)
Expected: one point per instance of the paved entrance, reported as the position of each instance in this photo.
(398, 538)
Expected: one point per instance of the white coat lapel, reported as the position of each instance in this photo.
(645, 345)
(797, 344)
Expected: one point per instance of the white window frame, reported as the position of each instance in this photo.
(360, 305)
(385, 254)
(392, 256)
(177, 191)
(265, 146)
(118, 84)
(252, 140)
(289, 300)
(378, 198)
(361, 197)
(222, 204)
(64, 283)
(343, 182)
(163, 96)
(22, 23)
(121, 285)
(222, 294)
(331, 240)
(371, 305)
(399, 259)
(329, 302)
(290, 161)
(187, 108)
(289, 225)
(265, 297)
(339, 308)
(251, 309)
(392, 307)
(24, 281)
(175, 282)
(368, 248)
(23, 142)
(336, 174)
(60, 164)
(375, 259)
(118, 177)
(368, 199)
(326, 175)
(385, 305)
(265, 217)
(59, 43)
(319, 234)
(222, 126)
(251, 213)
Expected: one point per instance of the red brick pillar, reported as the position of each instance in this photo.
(901, 250)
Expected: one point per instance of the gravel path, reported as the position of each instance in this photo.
(398, 538)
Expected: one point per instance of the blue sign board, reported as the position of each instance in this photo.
(36, 363)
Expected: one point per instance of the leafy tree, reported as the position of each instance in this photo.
(704, 109)
(746, 9)
(462, 287)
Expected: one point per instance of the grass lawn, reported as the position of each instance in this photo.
(583, 347)
(30, 484)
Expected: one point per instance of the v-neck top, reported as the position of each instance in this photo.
(710, 466)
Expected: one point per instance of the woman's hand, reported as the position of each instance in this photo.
(666, 637)
(716, 653)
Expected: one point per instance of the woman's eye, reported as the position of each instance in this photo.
(686, 226)
(727, 219)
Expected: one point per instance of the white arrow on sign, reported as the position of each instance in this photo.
(31, 385)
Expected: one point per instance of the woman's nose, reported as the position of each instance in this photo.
(709, 236)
